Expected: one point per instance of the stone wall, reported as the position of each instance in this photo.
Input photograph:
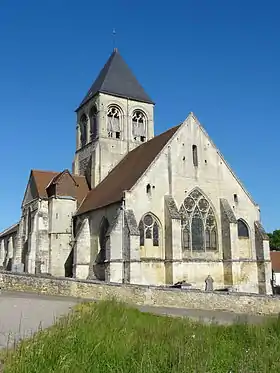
(140, 295)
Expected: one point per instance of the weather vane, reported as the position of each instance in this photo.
(114, 38)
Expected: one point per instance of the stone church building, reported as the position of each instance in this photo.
(139, 208)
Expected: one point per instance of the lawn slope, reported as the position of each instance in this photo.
(110, 337)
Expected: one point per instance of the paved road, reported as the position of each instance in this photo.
(21, 314)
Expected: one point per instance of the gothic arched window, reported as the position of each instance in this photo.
(93, 122)
(83, 129)
(139, 126)
(199, 226)
(242, 229)
(114, 122)
(149, 229)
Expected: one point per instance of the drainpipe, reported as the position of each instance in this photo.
(123, 226)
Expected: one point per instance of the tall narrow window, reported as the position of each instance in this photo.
(213, 239)
(186, 238)
(29, 229)
(93, 122)
(149, 230)
(199, 226)
(139, 126)
(155, 234)
(113, 122)
(102, 240)
(207, 239)
(102, 233)
(83, 129)
(194, 154)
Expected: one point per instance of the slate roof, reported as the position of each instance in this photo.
(117, 79)
(43, 178)
(125, 174)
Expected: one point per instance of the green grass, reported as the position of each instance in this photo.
(110, 337)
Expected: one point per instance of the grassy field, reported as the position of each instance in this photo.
(110, 337)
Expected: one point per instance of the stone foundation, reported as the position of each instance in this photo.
(140, 295)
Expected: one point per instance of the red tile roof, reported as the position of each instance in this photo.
(275, 260)
(43, 178)
(126, 173)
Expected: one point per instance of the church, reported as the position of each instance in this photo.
(138, 208)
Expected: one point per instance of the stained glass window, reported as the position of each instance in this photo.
(199, 226)
(142, 233)
(155, 234)
(186, 238)
(213, 239)
(242, 229)
(148, 233)
(207, 239)
(148, 220)
(197, 233)
(149, 229)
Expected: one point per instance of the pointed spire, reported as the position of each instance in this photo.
(117, 79)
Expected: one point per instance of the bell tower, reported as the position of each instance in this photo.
(115, 116)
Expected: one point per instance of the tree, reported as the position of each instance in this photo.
(274, 240)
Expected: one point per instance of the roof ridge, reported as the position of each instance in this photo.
(43, 179)
(174, 128)
(126, 173)
(139, 148)
(45, 171)
(202, 128)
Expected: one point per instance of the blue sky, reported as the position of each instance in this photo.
(219, 59)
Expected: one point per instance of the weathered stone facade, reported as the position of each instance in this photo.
(41, 241)
(8, 240)
(237, 261)
(160, 209)
(100, 154)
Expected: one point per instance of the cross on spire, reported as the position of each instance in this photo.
(114, 39)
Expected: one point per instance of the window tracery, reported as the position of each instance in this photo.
(114, 122)
(139, 125)
(199, 226)
(149, 229)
